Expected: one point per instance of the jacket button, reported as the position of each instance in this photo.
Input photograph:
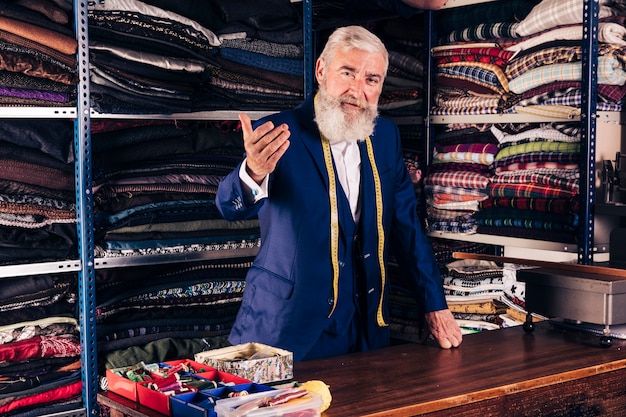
(331, 300)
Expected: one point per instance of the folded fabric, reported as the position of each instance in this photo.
(528, 219)
(538, 178)
(527, 191)
(486, 148)
(477, 158)
(481, 32)
(55, 40)
(551, 13)
(545, 132)
(448, 20)
(546, 205)
(166, 16)
(556, 55)
(610, 71)
(486, 75)
(538, 146)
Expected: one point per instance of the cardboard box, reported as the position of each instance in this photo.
(307, 406)
(272, 365)
(202, 403)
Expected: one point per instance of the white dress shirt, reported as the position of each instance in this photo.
(347, 158)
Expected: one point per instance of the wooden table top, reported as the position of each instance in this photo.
(413, 379)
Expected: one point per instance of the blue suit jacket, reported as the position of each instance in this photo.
(289, 292)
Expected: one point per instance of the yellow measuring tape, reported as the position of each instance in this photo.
(334, 225)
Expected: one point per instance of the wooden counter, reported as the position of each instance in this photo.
(495, 373)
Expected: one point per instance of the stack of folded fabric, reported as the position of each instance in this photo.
(456, 181)
(467, 282)
(39, 345)
(37, 54)
(261, 55)
(146, 59)
(37, 199)
(534, 190)
(161, 56)
(470, 64)
(192, 304)
(403, 91)
(545, 75)
(155, 184)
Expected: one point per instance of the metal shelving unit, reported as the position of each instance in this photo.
(588, 119)
(86, 264)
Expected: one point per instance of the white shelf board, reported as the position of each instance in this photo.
(21, 270)
(38, 112)
(507, 241)
(460, 3)
(206, 115)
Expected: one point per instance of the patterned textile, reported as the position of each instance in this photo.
(538, 146)
(167, 18)
(477, 158)
(570, 98)
(610, 71)
(556, 55)
(450, 101)
(460, 53)
(510, 164)
(458, 166)
(537, 178)
(505, 217)
(458, 179)
(482, 32)
(551, 111)
(546, 205)
(488, 76)
(527, 191)
(458, 191)
(288, 66)
(611, 33)
(448, 20)
(552, 13)
(469, 59)
(544, 132)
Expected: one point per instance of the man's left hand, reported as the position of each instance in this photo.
(444, 328)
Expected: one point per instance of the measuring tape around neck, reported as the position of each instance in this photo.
(334, 225)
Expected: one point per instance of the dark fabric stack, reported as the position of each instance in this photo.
(37, 53)
(155, 185)
(403, 91)
(37, 200)
(39, 346)
(261, 55)
(145, 58)
(161, 56)
(143, 307)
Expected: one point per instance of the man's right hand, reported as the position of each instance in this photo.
(264, 146)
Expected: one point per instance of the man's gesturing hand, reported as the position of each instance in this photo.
(264, 146)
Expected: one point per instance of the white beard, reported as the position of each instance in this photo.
(338, 125)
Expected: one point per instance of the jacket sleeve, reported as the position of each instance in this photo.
(410, 244)
(230, 200)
